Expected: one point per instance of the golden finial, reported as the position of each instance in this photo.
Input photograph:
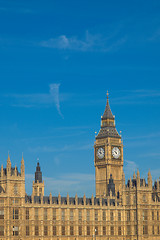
(107, 96)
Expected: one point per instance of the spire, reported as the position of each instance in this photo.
(108, 123)
(107, 113)
(38, 173)
(8, 160)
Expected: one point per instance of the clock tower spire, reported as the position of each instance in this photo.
(108, 154)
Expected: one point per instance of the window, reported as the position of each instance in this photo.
(157, 215)
(36, 230)
(88, 215)
(119, 216)
(135, 216)
(104, 231)
(1, 230)
(15, 189)
(88, 230)
(104, 215)
(153, 229)
(36, 213)
(80, 230)
(144, 215)
(127, 199)
(158, 230)
(112, 230)
(128, 216)
(111, 216)
(15, 231)
(71, 230)
(63, 230)
(27, 213)
(35, 191)
(1, 213)
(144, 198)
(1, 201)
(40, 191)
(128, 230)
(54, 214)
(119, 230)
(15, 213)
(152, 215)
(45, 213)
(27, 230)
(71, 215)
(96, 215)
(45, 230)
(145, 229)
(96, 230)
(134, 199)
(80, 215)
(54, 231)
(63, 215)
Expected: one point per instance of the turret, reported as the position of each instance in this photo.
(8, 166)
(38, 185)
(22, 167)
(149, 179)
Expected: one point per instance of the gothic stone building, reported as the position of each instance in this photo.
(118, 211)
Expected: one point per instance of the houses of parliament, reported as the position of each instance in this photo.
(120, 210)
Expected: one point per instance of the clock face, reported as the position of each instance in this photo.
(100, 153)
(116, 152)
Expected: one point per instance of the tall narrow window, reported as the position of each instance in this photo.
(119, 216)
(111, 216)
(27, 213)
(88, 215)
(96, 230)
(157, 215)
(88, 230)
(128, 216)
(1, 230)
(152, 215)
(71, 230)
(104, 215)
(112, 230)
(45, 230)
(104, 230)
(36, 214)
(15, 213)
(80, 230)
(63, 215)
(71, 215)
(36, 230)
(96, 215)
(127, 199)
(54, 214)
(128, 230)
(119, 230)
(27, 230)
(79, 215)
(54, 231)
(63, 230)
(1, 213)
(45, 213)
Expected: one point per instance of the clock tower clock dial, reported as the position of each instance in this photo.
(108, 154)
(100, 153)
(116, 152)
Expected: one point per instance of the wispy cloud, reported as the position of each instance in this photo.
(91, 42)
(73, 183)
(65, 148)
(53, 98)
(129, 168)
(54, 91)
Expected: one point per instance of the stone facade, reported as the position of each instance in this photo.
(118, 211)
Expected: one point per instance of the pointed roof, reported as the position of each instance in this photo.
(108, 129)
(107, 113)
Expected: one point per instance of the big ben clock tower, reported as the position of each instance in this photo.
(108, 155)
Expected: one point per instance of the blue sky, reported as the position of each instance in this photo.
(57, 60)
